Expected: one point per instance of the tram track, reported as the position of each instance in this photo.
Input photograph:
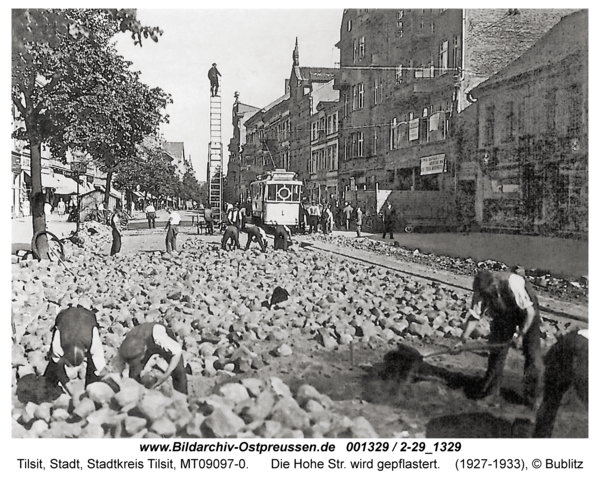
(559, 311)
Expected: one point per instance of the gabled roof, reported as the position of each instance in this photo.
(567, 37)
(175, 149)
(275, 102)
(244, 108)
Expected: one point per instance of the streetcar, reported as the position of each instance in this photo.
(276, 199)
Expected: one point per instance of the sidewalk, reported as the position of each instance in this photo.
(565, 258)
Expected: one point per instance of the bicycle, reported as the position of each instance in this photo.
(56, 250)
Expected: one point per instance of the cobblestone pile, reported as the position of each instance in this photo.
(218, 305)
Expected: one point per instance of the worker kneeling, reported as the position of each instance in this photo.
(75, 338)
(144, 341)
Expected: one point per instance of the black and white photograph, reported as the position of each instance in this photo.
(360, 229)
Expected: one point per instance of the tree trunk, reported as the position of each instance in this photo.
(109, 175)
(37, 197)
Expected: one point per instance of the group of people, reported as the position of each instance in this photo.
(506, 297)
(76, 338)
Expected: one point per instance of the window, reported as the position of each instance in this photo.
(443, 58)
(456, 52)
(489, 125)
(399, 74)
(361, 95)
(375, 91)
(394, 134)
(349, 25)
(354, 97)
(375, 141)
(360, 139)
(345, 106)
(361, 47)
(510, 120)
(551, 110)
(354, 51)
(400, 14)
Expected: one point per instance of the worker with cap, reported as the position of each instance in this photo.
(511, 303)
(75, 338)
(213, 76)
(144, 341)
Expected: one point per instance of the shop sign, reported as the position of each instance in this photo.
(16, 164)
(434, 164)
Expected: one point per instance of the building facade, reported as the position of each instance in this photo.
(322, 185)
(239, 175)
(531, 155)
(404, 79)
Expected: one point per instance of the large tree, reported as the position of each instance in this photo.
(63, 68)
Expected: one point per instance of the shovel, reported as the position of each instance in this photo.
(401, 362)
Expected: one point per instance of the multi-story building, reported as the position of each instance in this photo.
(403, 79)
(307, 86)
(262, 150)
(278, 135)
(322, 185)
(239, 175)
(530, 161)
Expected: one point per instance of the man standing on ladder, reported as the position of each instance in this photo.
(213, 76)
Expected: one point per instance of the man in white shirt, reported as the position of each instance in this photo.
(75, 339)
(151, 216)
(511, 303)
(146, 340)
(172, 229)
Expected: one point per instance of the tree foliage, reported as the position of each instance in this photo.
(72, 91)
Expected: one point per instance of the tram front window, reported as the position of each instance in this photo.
(283, 193)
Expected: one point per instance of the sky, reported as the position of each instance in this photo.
(253, 52)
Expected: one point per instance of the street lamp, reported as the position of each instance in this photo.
(78, 168)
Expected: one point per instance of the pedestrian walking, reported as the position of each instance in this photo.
(359, 220)
(258, 235)
(347, 211)
(115, 224)
(144, 341)
(75, 339)
(313, 218)
(213, 76)
(388, 216)
(327, 220)
(231, 238)
(172, 229)
(208, 219)
(511, 303)
(282, 237)
(61, 207)
(566, 365)
(151, 216)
